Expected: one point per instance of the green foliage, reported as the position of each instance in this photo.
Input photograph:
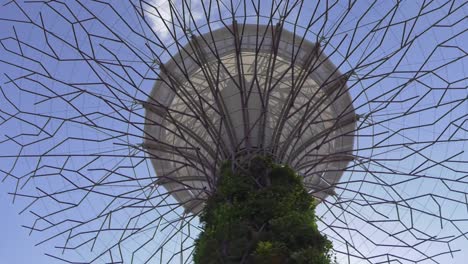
(261, 214)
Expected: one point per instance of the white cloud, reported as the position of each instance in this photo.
(164, 8)
(156, 19)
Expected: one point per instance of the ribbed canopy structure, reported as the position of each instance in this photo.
(248, 90)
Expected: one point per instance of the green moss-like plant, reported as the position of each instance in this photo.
(261, 214)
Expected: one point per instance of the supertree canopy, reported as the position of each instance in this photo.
(131, 129)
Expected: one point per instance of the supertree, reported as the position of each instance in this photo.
(120, 118)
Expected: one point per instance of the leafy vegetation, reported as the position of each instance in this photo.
(261, 214)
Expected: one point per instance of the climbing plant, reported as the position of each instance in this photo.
(260, 213)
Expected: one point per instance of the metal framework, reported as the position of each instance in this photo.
(296, 109)
(116, 116)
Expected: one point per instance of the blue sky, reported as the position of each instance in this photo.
(17, 247)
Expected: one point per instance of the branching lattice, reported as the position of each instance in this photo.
(77, 101)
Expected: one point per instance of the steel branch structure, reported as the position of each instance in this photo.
(115, 118)
(265, 92)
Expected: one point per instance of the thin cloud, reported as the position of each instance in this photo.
(159, 16)
(160, 19)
